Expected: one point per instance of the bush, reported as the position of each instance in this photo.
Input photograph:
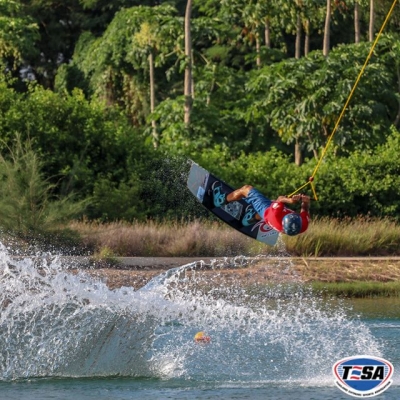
(27, 201)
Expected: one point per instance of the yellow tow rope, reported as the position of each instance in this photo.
(311, 178)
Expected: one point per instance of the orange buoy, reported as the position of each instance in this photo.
(201, 337)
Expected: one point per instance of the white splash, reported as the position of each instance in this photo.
(56, 322)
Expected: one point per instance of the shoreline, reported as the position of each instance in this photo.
(337, 276)
(353, 276)
(171, 262)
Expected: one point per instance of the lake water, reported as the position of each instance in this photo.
(67, 336)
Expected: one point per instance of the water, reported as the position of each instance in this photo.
(65, 335)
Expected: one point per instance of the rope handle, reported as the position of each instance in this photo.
(309, 182)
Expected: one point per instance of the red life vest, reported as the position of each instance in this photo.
(277, 210)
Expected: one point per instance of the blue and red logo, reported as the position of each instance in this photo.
(363, 376)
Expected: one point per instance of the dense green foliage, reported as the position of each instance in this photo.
(76, 86)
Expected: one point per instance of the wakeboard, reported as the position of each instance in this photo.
(201, 182)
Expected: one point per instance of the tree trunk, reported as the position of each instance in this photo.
(267, 33)
(298, 157)
(327, 30)
(153, 99)
(212, 86)
(315, 152)
(298, 37)
(397, 120)
(258, 50)
(356, 22)
(307, 38)
(191, 75)
(188, 92)
(109, 92)
(371, 20)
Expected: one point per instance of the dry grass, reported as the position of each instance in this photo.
(173, 239)
(358, 237)
(325, 237)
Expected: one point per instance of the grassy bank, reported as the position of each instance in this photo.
(351, 277)
(325, 237)
(358, 289)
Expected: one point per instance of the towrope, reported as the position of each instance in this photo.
(363, 376)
